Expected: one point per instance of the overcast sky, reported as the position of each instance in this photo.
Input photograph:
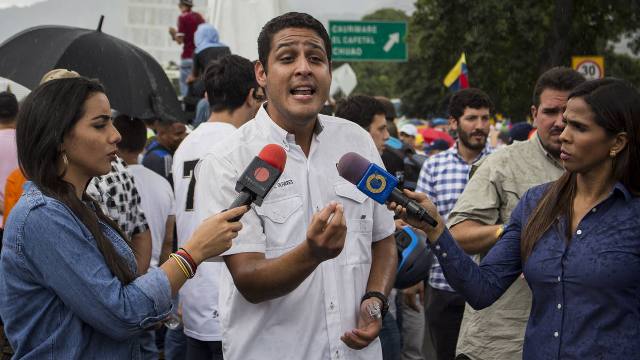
(17, 15)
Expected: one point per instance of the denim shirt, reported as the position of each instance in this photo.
(586, 291)
(58, 298)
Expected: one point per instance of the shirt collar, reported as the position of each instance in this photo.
(536, 140)
(486, 151)
(620, 188)
(278, 134)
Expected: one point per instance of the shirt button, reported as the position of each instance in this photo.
(437, 247)
(559, 306)
(556, 334)
(594, 210)
(444, 255)
(579, 232)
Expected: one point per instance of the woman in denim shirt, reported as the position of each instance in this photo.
(68, 288)
(577, 240)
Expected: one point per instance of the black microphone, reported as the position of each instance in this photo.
(259, 176)
(379, 185)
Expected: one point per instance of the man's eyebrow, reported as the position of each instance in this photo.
(306, 43)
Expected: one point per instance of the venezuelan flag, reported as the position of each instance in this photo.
(458, 78)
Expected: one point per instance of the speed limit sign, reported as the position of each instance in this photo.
(592, 67)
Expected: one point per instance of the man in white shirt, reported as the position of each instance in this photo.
(304, 280)
(234, 98)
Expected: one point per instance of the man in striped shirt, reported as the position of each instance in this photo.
(442, 178)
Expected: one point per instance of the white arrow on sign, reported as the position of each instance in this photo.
(393, 39)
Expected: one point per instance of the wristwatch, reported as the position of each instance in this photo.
(383, 299)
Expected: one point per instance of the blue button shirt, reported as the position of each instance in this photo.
(58, 298)
(586, 292)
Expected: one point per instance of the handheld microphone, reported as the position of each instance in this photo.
(259, 176)
(379, 185)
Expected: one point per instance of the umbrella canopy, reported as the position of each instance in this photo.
(430, 135)
(134, 81)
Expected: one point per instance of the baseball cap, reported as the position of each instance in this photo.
(439, 121)
(186, 2)
(8, 105)
(437, 144)
(409, 129)
(520, 131)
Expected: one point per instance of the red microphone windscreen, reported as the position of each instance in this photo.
(274, 155)
(352, 167)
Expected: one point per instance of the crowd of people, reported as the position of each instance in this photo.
(120, 246)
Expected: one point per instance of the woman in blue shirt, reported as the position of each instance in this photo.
(577, 240)
(68, 288)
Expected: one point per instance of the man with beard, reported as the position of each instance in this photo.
(477, 219)
(442, 178)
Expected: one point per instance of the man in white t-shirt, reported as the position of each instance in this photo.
(156, 195)
(304, 280)
(234, 97)
(156, 200)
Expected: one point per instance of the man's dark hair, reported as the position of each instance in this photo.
(228, 81)
(133, 133)
(389, 109)
(360, 109)
(472, 98)
(286, 21)
(8, 107)
(559, 78)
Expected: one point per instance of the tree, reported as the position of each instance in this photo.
(507, 45)
(378, 78)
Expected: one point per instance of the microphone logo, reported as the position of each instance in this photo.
(261, 174)
(376, 183)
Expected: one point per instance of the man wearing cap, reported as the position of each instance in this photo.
(443, 177)
(188, 22)
(408, 134)
(477, 219)
(8, 149)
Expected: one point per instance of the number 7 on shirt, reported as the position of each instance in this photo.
(187, 172)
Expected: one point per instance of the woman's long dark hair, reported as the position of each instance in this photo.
(48, 114)
(616, 105)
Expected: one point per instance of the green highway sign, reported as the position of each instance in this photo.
(368, 40)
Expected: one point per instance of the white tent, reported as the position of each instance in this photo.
(239, 22)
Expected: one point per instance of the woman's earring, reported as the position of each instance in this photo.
(612, 153)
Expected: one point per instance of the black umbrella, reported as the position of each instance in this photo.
(135, 83)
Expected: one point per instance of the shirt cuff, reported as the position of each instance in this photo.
(245, 248)
(155, 285)
(446, 249)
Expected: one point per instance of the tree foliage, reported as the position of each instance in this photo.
(507, 45)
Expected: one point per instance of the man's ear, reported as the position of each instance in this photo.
(261, 73)
(453, 123)
(534, 114)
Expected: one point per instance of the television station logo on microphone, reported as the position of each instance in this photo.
(261, 174)
(376, 183)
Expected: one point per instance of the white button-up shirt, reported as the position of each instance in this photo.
(308, 322)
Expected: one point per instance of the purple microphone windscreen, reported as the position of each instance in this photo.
(352, 167)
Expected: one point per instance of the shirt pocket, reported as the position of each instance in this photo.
(357, 247)
(276, 215)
